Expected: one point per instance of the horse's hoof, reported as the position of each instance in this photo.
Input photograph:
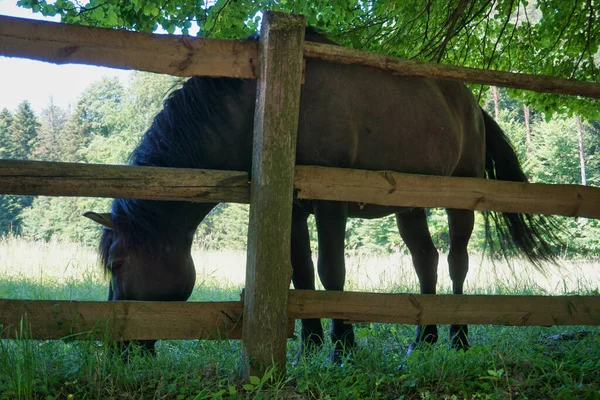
(342, 355)
(413, 346)
(459, 334)
(428, 341)
(339, 357)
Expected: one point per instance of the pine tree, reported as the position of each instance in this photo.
(18, 134)
(23, 132)
(6, 119)
(73, 138)
(53, 120)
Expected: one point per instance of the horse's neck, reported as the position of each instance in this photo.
(190, 215)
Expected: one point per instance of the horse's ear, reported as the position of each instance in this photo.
(104, 219)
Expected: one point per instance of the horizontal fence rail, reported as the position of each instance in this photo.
(166, 54)
(424, 309)
(129, 320)
(410, 190)
(121, 181)
(189, 56)
(119, 320)
(357, 186)
(404, 67)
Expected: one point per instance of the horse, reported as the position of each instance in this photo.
(351, 117)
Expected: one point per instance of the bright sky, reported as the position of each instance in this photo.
(23, 79)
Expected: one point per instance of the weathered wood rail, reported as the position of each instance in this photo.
(359, 186)
(268, 262)
(188, 56)
(126, 320)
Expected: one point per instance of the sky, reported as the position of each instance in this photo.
(36, 81)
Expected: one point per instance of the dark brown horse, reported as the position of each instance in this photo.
(350, 116)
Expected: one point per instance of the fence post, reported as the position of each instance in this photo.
(268, 269)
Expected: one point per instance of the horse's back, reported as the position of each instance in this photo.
(358, 117)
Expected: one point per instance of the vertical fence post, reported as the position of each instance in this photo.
(268, 269)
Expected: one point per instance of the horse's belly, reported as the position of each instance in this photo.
(371, 211)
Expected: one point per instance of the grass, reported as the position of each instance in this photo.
(503, 363)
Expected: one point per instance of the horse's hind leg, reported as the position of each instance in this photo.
(415, 233)
(461, 226)
(330, 217)
(303, 274)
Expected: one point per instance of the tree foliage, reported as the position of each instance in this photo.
(23, 132)
(18, 135)
(550, 37)
(6, 119)
(48, 143)
(103, 127)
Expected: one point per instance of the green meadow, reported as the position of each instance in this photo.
(503, 362)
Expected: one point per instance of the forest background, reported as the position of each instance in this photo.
(557, 137)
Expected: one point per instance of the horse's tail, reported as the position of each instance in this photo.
(533, 236)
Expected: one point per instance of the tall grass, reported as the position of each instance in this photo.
(504, 362)
(55, 270)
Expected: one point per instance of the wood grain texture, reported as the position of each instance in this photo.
(131, 320)
(423, 309)
(409, 190)
(150, 183)
(166, 54)
(369, 187)
(120, 320)
(268, 267)
(403, 67)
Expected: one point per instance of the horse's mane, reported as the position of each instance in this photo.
(182, 135)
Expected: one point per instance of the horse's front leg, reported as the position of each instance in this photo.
(330, 217)
(303, 275)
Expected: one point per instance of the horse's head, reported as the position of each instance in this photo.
(161, 269)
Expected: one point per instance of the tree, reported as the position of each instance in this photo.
(8, 206)
(62, 218)
(551, 37)
(53, 120)
(6, 119)
(104, 127)
(581, 151)
(23, 132)
(555, 152)
(99, 105)
(18, 133)
(144, 97)
(72, 141)
(140, 102)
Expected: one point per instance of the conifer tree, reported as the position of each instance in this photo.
(53, 120)
(23, 132)
(5, 123)
(18, 134)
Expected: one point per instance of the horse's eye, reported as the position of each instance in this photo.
(114, 265)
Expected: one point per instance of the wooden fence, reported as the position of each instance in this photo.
(264, 317)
